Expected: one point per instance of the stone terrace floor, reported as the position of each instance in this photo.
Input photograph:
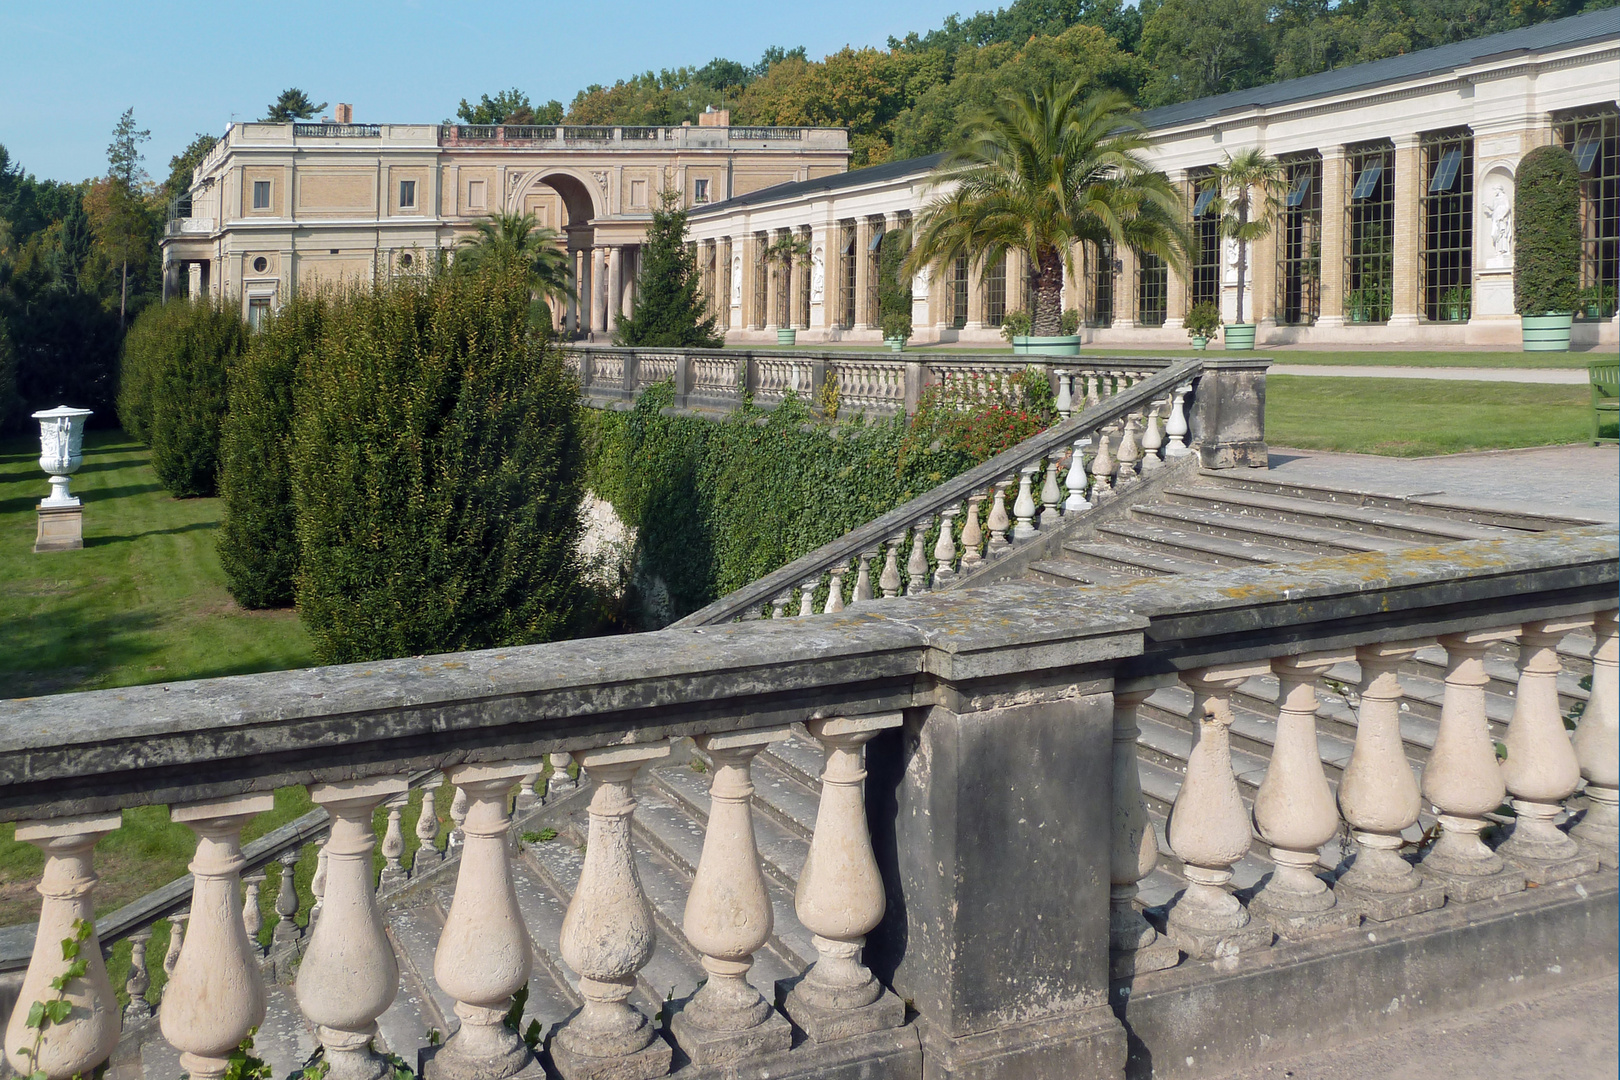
(1579, 481)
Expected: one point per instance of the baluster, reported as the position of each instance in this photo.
(1462, 778)
(252, 917)
(1065, 402)
(1208, 827)
(1541, 769)
(483, 954)
(917, 565)
(1597, 744)
(1130, 451)
(1294, 810)
(177, 940)
(66, 888)
(998, 520)
(1093, 390)
(728, 916)
(559, 781)
(807, 596)
(1075, 481)
(835, 591)
(972, 538)
(608, 933)
(458, 818)
(1378, 795)
(349, 976)
(839, 898)
(779, 606)
(1102, 469)
(1175, 429)
(1024, 506)
(1051, 496)
(526, 797)
(215, 996)
(427, 829)
(139, 1010)
(1152, 440)
(945, 548)
(863, 577)
(393, 847)
(889, 580)
(1133, 945)
(287, 930)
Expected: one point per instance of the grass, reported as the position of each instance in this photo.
(145, 601)
(1419, 417)
(1336, 357)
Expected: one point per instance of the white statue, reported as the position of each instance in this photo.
(61, 450)
(818, 275)
(1499, 211)
(919, 284)
(1231, 259)
(736, 281)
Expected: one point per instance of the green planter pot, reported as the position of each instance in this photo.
(1358, 315)
(1200, 343)
(1547, 333)
(787, 337)
(1240, 337)
(1047, 346)
(895, 344)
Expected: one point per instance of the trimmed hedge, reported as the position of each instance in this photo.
(151, 337)
(436, 473)
(1547, 232)
(258, 540)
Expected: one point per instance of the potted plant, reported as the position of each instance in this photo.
(781, 255)
(1251, 188)
(896, 329)
(1015, 327)
(894, 289)
(1355, 301)
(1547, 246)
(1455, 302)
(1203, 322)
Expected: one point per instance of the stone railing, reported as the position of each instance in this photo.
(995, 854)
(632, 136)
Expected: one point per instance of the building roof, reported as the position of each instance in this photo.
(1543, 37)
(872, 174)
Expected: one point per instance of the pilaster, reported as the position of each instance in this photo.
(1408, 228)
(1333, 217)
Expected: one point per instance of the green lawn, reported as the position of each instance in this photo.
(1419, 417)
(145, 601)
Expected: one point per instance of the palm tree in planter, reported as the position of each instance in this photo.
(1547, 246)
(789, 248)
(1251, 187)
(1040, 172)
(504, 238)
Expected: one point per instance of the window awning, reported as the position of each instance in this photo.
(1302, 186)
(877, 240)
(1205, 197)
(1445, 173)
(1586, 152)
(1367, 181)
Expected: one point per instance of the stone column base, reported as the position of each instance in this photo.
(1547, 871)
(1607, 857)
(648, 1063)
(1383, 907)
(825, 1025)
(709, 1046)
(1158, 956)
(1297, 925)
(1465, 889)
(61, 528)
(1085, 1044)
(1221, 944)
(429, 1068)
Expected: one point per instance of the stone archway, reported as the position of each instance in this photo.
(578, 202)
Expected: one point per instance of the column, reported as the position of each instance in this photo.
(975, 292)
(483, 954)
(1175, 283)
(864, 318)
(632, 273)
(214, 996)
(587, 299)
(748, 317)
(723, 271)
(728, 916)
(823, 239)
(1294, 810)
(572, 317)
(1125, 289)
(1462, 778)
(1378, 794)
(1408, 226)
(1541, 769)
(349, 976)
(1334, 192)
(1208, 828)
(613, 297)
(67, 911)
(1597, 744)
(1261, 304)
(608, 933)
(796, 312)
(1133, 945)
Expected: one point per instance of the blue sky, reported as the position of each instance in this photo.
(70, 67)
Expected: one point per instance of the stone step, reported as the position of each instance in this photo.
(414, 929)
(782, 849)
(1070, 572)
(1304, 541)
(403, 1027)
(1396, 524)
(801, 757)
(1503, 671)
(1213, 551)
(553, 987)
(1130, 559)
(1254, 726)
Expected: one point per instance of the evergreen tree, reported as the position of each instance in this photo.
(292, 104)
(669, 307)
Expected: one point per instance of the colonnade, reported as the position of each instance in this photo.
(605, 279)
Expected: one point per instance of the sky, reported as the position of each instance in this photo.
(68, 68)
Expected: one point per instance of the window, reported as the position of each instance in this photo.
(700, 191)
(846, 274)
(1204, 266)
(261, 264)
(258, 313)
(995, 293)
(804, 284)
(1100, 308)
(477, 194)
(1152, 282)
(1299, 243)
(784, 282)
(761, 270)
(1593, 136)
(1446, 252)
(406, 260)
(261, 194)
(1369, 245)
(959, 292)
(407, 194)
(874, 271)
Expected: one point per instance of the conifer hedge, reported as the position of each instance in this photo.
(436, 472)
(1547, 232)
(155, 332)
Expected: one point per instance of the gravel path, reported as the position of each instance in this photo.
(1549, 376)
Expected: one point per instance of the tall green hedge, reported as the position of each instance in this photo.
(436, 473)
(151, 337)
(894, 287)
(1547, 232)
(258, 540)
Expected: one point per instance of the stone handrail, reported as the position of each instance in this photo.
(1028, 677)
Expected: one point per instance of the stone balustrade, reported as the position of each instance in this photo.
(941, 698)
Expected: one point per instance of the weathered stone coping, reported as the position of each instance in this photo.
(106, 749)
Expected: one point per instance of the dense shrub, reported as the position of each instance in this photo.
(670, 308)
(66, 352)
(894, 287)
(258, 540)
(10, 406)
(188, 387)
(151, 337)
(436, 473)
(1547, 232)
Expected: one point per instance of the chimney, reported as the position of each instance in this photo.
(345, 113)
(713, 117)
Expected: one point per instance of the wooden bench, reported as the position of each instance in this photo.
(1604, 376)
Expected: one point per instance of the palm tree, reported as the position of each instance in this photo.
(512, 237)
(1243, 178)
(1040, 172)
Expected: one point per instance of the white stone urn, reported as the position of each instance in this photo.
(61, 450)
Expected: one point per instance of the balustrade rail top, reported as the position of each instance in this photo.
(886, 356)
(951, 493)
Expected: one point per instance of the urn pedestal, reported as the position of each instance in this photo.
(61, 452)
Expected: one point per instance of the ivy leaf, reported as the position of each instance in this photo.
(70, 948)
(58, 1010)
(36, 1015)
